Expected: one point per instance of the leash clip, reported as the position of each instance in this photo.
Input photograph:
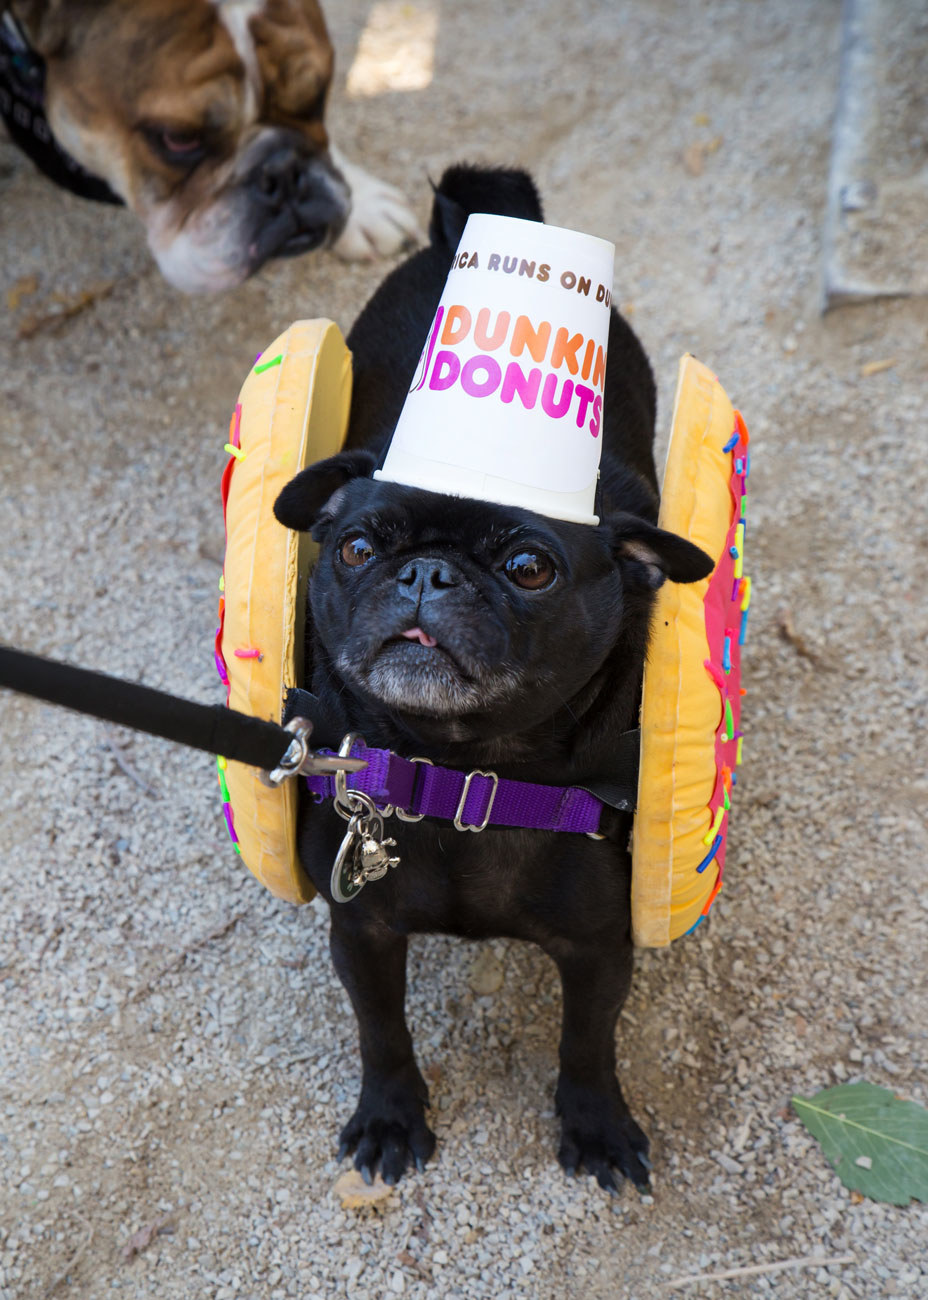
(299, 758)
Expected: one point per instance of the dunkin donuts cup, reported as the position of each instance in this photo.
(506, 404)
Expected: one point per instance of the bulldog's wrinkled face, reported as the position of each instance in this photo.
(206, 117)
(443, 607)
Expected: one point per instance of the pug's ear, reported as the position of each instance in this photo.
(316, 490)
(651, 555)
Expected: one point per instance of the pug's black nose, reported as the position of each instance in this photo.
(283, 177)
(421, 580)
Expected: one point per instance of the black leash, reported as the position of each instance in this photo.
(217, 729)
(210, 727)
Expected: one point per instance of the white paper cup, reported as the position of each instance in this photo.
(506, 402)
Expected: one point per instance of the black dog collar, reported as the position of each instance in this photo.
(22, 107)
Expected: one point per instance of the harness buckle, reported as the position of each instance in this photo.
(465, 826)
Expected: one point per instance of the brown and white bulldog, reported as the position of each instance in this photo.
(206, 118)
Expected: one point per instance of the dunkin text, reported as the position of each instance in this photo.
(566, 378)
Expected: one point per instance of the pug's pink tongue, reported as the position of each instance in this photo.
(416, 634)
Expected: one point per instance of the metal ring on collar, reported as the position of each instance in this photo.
(464, 826)
(413, 817)
(346, 801)
(358, 805)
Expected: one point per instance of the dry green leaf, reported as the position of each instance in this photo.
(877, 1143)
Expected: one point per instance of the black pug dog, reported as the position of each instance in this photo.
(483, 636)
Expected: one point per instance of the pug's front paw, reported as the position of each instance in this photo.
(599, 1135)
(388, 1129)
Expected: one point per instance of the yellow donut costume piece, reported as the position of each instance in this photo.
(292, 410)
(690, 741)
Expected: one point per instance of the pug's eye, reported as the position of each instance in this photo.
(530, 570)
(356, 551)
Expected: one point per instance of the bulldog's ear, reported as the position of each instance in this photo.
(314, 491)
(651, 555)
(49, 24)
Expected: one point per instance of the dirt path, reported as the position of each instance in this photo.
(141, 1087)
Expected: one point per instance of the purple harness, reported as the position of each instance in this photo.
(415, 788)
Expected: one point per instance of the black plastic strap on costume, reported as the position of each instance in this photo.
(621, 790)
(210, 727)
(330, 722)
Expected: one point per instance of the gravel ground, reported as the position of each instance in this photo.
(175, 1049)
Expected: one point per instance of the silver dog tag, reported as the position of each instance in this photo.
(344, 884)
(362, 856)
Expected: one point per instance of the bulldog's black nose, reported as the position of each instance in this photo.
(284, 177)
(426, 578)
